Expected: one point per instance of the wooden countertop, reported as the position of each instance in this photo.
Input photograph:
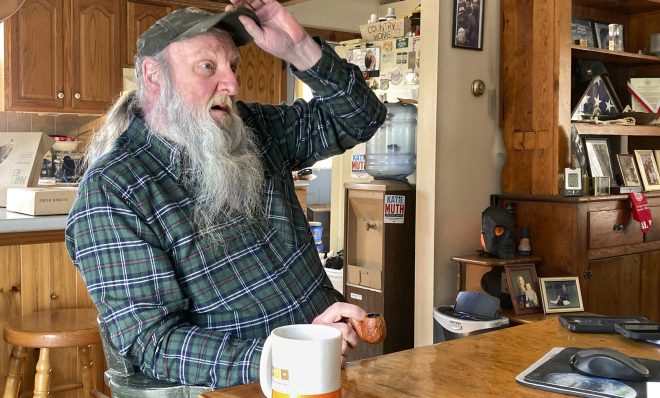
(476, 366)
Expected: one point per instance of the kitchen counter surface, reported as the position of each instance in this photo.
(11, 222)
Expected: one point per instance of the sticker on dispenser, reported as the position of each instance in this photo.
(395, 209)
(357, 161)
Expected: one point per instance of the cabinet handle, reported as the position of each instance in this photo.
(76, 95)
(587, 274)
(15, 289)
(60, 95)
(617, 227)
(53, 296)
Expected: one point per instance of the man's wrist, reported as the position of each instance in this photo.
(306, 54)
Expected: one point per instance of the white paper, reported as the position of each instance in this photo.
(645, 94)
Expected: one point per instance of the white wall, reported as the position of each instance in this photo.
(469, 153)
(333, 14)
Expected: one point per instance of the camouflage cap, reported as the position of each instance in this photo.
(188, 22)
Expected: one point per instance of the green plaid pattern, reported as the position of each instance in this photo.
(185, 309)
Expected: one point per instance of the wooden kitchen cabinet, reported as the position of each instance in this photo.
(536, 98)
(38, 275)
(596, 239)
(63, 56)
(139, 17)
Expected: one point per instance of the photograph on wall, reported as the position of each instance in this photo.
(468, 24)
(367, 59)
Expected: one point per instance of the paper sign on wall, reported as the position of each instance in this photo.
(395, 209)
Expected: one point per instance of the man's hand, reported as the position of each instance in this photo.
(334, 316)
(280, 34)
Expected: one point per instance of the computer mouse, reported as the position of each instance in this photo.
(612, 364)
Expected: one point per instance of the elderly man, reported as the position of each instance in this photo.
(186, 229)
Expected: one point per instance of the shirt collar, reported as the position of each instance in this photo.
(164, 151)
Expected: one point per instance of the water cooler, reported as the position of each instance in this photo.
(379, 246)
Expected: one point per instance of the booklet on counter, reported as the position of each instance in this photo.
(553, 372)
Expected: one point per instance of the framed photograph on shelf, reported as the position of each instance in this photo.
(523, 287)
(582, 33)
(561, 294)
(601, 186)
(468, 25)
(598, 153)
(648, 168)
(629, 173)
(602, 33)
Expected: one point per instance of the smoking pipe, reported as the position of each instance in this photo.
(371, 329)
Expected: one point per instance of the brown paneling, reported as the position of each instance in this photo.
(139, 17)
(650, 294)
(614, 286)
(261, 76)
(41, 277)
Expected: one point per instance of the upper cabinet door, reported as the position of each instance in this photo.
(95, 58)
(139, 17)
(34, 53)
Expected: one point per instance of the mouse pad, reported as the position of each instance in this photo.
(553, 372)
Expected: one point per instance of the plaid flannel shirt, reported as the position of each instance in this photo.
(187, 310)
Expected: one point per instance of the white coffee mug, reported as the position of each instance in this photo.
(301, 360)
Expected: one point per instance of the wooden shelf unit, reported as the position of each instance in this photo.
(537, 55)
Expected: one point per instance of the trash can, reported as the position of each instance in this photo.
(472, 313)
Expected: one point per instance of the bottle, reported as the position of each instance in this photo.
(391, 152)
(373, 18)
(390, 14)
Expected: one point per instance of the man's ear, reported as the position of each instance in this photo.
(152, 76)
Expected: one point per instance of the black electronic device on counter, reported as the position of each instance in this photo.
(639, 331)
(597, 324)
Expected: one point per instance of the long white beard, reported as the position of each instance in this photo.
(222, 167)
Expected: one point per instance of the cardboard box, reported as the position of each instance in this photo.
(21, 155)
(41, 201)
(390, 29)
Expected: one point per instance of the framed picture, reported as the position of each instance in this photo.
(602, 33)
(601, 186)
(523, 287)
(582, 33)
(629, 173)
(468, 25)
(598, 153)
(367, 59)
(561, 294)
(648, 168)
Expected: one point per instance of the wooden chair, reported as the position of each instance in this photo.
(46, 330)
